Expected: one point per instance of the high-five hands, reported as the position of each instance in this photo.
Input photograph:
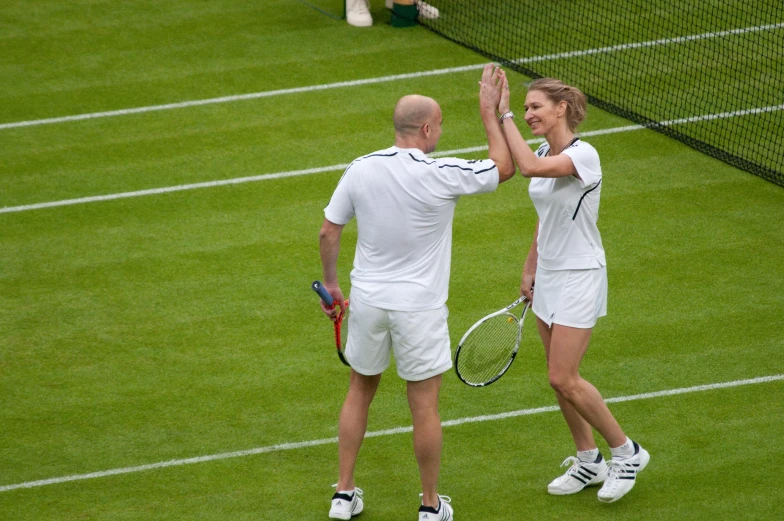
(490, 87)
(494, 89)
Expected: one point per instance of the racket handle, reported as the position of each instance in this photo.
(324, 294)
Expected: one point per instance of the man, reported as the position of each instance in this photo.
(404, 204)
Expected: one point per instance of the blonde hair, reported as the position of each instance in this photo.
(558, 91)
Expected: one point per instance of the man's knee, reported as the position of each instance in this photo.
(363, 387)
(423, 395)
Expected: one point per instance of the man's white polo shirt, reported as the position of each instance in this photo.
(568, 209)
(404, 203)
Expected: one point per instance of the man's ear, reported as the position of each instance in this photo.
(426, 129)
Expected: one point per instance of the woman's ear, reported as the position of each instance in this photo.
(562, 107)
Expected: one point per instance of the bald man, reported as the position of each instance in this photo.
(404, 204)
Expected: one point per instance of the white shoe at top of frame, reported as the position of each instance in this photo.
(358, 13)
(426, 10)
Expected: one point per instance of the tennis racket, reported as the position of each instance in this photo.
(340, 333)
(489, 347)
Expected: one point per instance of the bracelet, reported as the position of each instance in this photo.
(506, 115)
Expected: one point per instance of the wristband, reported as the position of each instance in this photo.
(505, 115)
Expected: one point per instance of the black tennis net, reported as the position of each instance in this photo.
(709, 73)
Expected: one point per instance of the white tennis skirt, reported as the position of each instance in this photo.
(574, 298)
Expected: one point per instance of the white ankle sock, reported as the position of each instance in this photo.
(588, 456)
(624, 451)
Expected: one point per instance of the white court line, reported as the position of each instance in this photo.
(250, 179)
(332, 168)
(376, 434)
(383, 79)
(652, 43)
(239, 97)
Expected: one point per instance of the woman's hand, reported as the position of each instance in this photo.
(503, 101)
(527, 286)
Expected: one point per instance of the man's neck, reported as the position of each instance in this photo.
(403, 142)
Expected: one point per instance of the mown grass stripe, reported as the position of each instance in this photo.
(332, 168)
(375, 434)
(383, 79)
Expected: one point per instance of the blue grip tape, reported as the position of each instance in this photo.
(323, 293)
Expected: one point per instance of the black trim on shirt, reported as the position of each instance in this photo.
(485, 170)
(375, 155)
(570, 145)
(460, 167)
(420, 160)
(360, 159)
(583, 197)
(450, 166)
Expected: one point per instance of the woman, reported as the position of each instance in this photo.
(567, 262)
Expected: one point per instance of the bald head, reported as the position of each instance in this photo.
(417, 123)
(412, 112)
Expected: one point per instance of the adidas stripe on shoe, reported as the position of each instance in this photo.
(623, 475)
(345, 505)
(444, 511)
(579, 475)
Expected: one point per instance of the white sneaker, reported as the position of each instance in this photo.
(623, 475)
(358, 13)
(344, 506)
(578, 476)
(443, 513)
(427, 11)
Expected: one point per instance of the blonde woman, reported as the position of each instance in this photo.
(567, 263)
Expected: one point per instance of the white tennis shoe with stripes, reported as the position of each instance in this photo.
(345, 505)
(623, 475)
(579, 475)
(443, 513)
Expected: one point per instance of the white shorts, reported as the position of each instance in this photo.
(574, 298)
(419, 340)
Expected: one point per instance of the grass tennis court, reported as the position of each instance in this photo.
(158, 328)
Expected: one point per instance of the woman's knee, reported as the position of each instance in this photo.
(564, 383)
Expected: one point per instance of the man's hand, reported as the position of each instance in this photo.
(490, 88)
(329, 248)
(333, 289)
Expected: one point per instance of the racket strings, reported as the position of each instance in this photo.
(486, 352)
